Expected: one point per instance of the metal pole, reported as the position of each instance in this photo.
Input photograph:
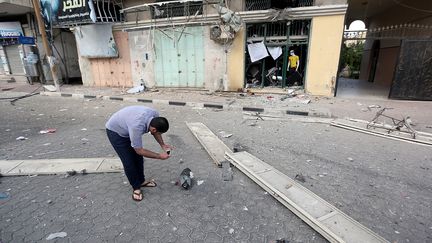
(48, 51)
(263, 75)
(285, 63)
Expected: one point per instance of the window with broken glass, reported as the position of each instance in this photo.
(273, 43)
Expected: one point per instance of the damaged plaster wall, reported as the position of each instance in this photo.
(215, 63)
(141, 46)
(114, 72)
(324, 50)
(86, 70)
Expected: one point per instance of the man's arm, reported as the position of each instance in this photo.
(150, 154)
(159, 139)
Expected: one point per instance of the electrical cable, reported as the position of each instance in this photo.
(16, 98)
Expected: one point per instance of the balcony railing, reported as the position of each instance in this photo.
(252, 5)
(176, 9)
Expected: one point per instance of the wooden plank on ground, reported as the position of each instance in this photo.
(212, 144)
(325, 218)
(59, 166)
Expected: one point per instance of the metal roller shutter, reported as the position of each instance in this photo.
(14, 60)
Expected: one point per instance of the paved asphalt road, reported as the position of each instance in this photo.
(385, 185)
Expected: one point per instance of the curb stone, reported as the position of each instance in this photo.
(295, 112)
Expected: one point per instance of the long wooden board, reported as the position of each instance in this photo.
(325, 218)
(211, 143)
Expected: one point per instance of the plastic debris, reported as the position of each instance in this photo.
(245, 208)
(21, 138)
(231, 231)
(350, 159)
(225, 134)
(136, 89)
(3, 195)
(83, 129)
(46, 144)
(200, 182)
(374, 106)
(63, 109)
(50, 88)
(50, 130)
(56, 235)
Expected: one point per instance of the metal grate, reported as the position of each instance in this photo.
(252, 5)
(297, 28)
(303, 3)
(176, 9)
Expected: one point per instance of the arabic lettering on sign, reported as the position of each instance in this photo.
(71, 4)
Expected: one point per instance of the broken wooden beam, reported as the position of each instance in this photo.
(326, 219)
(211, 143)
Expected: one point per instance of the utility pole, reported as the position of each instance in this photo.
(48, 51)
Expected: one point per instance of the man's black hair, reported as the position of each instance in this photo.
(160, 123)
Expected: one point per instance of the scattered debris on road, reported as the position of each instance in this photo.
(199, 182)
(300, 178)
(186, 177)
(225, 134)
(50, 130)
(20, 138)
(350, 159)
(71, 173)
(56, 235)
(136, 89)
(227, 174)
(245, 208)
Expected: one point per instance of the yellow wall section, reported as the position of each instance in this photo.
(235, 64)
(324, 50)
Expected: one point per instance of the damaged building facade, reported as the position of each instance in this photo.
(210, 45)
(22, 56)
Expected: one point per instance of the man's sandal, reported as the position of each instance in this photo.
(150, 183)
(139, 196)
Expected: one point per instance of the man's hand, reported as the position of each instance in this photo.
(166, 147)
(163, 156)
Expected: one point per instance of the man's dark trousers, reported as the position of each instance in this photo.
(133, 163)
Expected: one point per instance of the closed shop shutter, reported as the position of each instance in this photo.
(2, 71)
(180, 64)
(14, 60)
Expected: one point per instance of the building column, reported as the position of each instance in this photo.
(324, 52)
